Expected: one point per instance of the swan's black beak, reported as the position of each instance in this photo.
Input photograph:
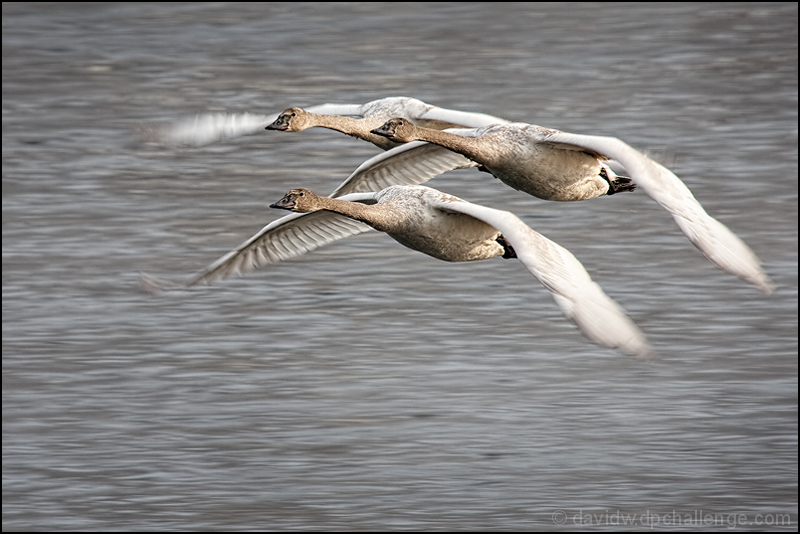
(281, 124)
(286, 203)
(387, 130)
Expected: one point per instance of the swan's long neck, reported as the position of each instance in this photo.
(339, 123)
(471, 147)
(375, 215)
(360, 128)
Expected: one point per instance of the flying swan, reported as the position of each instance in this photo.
(441, 226)
(555, 165)
(356, 120)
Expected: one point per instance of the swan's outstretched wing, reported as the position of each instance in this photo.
(721, 246)
(409, 164)
(288, 237)
(581, 299)
(208, 128)
(465, 119)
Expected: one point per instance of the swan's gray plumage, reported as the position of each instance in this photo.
(209, 128)
(557, 165)
(408, 164)
(441, 226)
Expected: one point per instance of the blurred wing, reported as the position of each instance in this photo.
(209, 128)
(352, 110)
(719, 244)
(466, 119)
(409, 164)
(582, 300)
(288, 237)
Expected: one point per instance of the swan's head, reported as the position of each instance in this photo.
(398, 130)
(299, 200)
(291, 120)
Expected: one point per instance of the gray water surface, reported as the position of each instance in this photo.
(367, 386)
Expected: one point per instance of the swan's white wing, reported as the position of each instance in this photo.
(719, 244)
(354, 110)
(581, 299)
(409, 164)
(466, 119)
(288, 237)
(209, 128)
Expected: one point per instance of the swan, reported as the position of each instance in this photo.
(555, 165)
(356, 120)
(444, 227)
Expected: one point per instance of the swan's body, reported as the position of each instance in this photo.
(556, 165)
(446, 228)
(518, 155)
(353, 119)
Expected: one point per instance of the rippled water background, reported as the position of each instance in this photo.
(367, 386)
